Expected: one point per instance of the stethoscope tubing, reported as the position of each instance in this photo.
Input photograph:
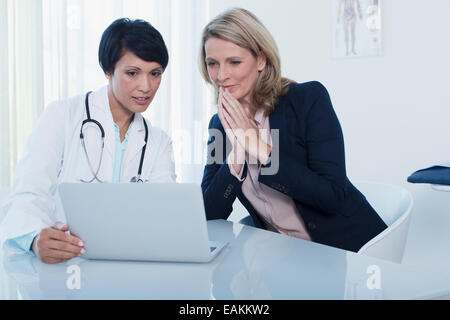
(98, 124)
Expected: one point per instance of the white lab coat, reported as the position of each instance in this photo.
(54, 154)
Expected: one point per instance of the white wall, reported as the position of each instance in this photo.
(394, 109)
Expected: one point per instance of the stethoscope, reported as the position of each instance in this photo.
(95, 173)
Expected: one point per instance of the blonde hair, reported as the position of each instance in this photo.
(243, 28)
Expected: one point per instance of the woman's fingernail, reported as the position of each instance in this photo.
(81, 244)
(83, 251)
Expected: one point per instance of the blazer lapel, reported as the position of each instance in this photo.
(136, 140)
(133, 151)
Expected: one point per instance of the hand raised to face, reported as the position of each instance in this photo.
(237, 116)
(241, 127)
(237, 155)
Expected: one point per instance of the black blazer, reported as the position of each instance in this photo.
(311, 171)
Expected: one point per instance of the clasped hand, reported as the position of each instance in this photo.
(242, 131)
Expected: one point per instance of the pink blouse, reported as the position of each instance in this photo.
(275, 209)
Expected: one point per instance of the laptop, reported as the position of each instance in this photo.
(139, 222)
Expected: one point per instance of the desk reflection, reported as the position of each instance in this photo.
(265, 265)
(256, 264)
(110, 279)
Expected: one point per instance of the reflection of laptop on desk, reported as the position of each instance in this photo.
(144, 222)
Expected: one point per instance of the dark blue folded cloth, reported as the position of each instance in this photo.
(432, 175)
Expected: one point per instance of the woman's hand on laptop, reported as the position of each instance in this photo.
(54, 245)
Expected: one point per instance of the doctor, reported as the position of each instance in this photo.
(97, 137)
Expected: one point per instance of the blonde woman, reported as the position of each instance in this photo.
(272, 122)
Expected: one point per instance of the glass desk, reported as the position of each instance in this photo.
(256, 264)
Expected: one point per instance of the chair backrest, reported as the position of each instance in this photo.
(394, 205)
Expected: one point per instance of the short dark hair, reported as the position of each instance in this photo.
(137, 36)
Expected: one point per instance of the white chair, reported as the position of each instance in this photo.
(394, 205)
